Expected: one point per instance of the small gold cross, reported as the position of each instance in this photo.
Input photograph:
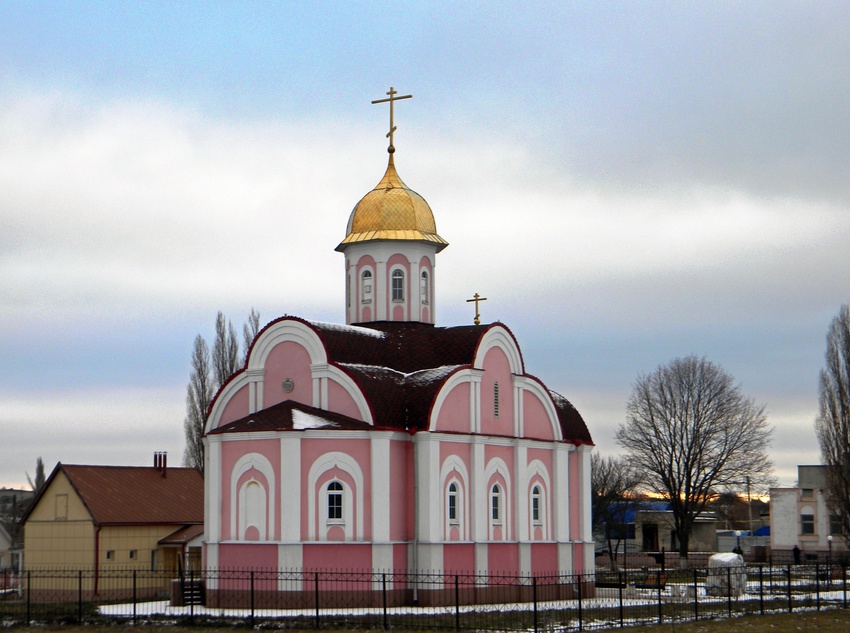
(392, 99)
(476, 298)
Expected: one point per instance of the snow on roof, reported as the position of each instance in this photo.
(356, 329)
(302, 421)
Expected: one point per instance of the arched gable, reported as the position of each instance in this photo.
(499, 336)
(539, 416)
(454, 408)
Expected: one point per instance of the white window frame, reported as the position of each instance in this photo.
(453, 503)
(424, 287)
(367, 285)
(335, 491)
(536, 505)
(497, 510)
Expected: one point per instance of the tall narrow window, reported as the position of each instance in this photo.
(366, 286)
(807, 524)
(535, 504)
(496, 503)
(496, 399)
(452, 503)
(398, 285)
(423, 282)
(335, 501)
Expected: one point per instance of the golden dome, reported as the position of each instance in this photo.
(391, 211)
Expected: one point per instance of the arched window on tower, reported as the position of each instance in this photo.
(423, 284)
(398, 285)
(366, 286)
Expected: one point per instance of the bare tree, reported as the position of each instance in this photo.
(613, 484)
(691, 433)
(225, 353)
(209, 373)
(832, 425)
(199, 394)
(249, 332)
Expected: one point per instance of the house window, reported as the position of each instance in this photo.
(335, 501)
(133, 554)
(110, 554)
(496, 504)
(153, 560)
(535, 505)
(807, 493)
(452, 503)
(398, 285)
(835, 526)
(496, 399)
(807, 524)
(423, 282)
(61, 507)
(366, 286)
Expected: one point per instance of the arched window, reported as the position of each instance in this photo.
(398, 285)
(452, 503)
(335, 501)
(423, 285)
(536, 517)
(496, 399)
(366, 286)
(496, 503)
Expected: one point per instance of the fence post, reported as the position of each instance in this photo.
(761, 589)
(80, 597)
(134, 597)
(660, 611)
(729, 591)
(696, 597)
(534, 599)
(844, 582)
(817, 585)
(580, 623)
(29, 597)
(457, 603)
(620, 584)
(192, 599)
(384, 595)
(316, 592)
(790, 606)
(252, 598)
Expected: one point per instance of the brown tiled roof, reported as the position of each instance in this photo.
(400, 367)
(134, 495)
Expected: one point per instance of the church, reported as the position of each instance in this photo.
(391, 443)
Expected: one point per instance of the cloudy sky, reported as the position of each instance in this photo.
(626, 182)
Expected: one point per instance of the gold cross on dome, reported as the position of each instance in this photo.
(392, 99)
(476, 298)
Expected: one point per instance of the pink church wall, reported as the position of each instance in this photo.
(337, 557)
(340, 401)
(497, 369)
(454, 413)
(400, 556)
(359, 450)
(401, 487)
(535, 420)
(459, 558)
(247, 556)
(287, 360)
(544, 558)
(502, 558)
(231, 452)
(236, 407)
(575, 498)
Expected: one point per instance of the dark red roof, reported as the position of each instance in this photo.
(400, 367)
(290, 415)
(134, 495)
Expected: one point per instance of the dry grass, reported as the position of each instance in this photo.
(802, 622)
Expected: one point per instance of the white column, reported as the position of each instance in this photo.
(561, 492)
(290, 489)
(521, 490)
(380, 449)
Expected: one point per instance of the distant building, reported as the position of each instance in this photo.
(104, 518)
(6, 552)
(800, 517)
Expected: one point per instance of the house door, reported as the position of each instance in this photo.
(650, 537)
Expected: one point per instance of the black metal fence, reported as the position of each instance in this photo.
(352, 599)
